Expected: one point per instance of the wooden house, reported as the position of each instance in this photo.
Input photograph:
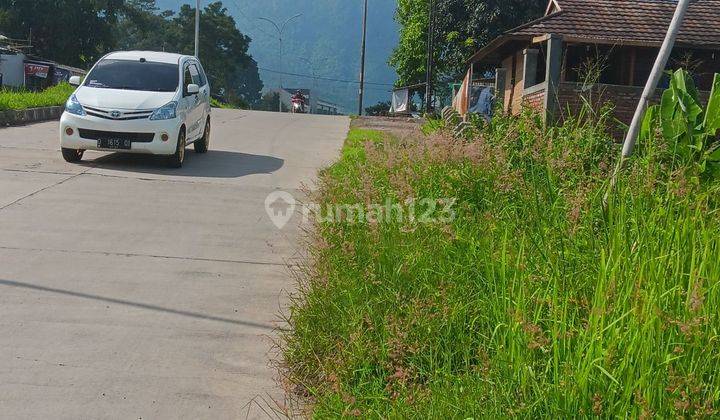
(602, 49)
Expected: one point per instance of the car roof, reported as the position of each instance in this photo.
(152, 56)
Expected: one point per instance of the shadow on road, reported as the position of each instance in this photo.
(213, 164)
(81, 295)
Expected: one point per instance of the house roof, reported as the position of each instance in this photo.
(643, 21)
(626, 22)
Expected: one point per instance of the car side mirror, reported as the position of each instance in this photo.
(193, 89)
(75, 80)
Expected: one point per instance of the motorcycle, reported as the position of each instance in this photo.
(298, 106)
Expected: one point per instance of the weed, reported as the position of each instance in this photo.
(532, 302)
(54, 96)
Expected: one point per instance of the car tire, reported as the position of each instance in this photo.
(72, 155)
(203, 144)
(176, 160)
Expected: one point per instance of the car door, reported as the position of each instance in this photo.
(190, 104)
(202, 96)
(204, 93)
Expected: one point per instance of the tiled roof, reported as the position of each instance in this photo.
(629, 21)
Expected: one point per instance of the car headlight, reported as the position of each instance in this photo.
(165, 112)
(73, 106)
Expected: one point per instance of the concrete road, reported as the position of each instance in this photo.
(129, 290)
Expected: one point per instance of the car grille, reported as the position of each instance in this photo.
(100, 135)
(118, 115)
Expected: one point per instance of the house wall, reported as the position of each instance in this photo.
(12, 68)
(514, 83)
(572, 97)
(624, 99)
(519, 87)
(535, 97)
(507, 64)
(630, 65)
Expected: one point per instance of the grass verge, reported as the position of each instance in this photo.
(54, 96)
(222, 105)
(532, 301)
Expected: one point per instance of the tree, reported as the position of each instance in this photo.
(142, 27)
(269, 102)
(379, 109)
(248, 85)
(79, 32)
(462, 27)
(223, 51)
(75, 32)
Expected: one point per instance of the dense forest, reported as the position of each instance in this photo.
(101, 26)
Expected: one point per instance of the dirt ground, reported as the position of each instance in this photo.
(399, 126)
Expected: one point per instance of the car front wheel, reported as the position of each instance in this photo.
(177, 159)
(72, 155)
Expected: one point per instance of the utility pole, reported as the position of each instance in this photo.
(281, 29)
(362, 60)
(197, 28)
(430, 63)
(655, 76)
(650, 87)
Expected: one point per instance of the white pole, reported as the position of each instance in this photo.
(197, 28)
(650, 87)
(281, 73)
(655, 76)
(281, 30)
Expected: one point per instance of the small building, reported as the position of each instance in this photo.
(327, 108)
(21, 70)
(12, 68)
(599, 49)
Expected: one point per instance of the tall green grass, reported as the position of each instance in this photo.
(533, 302)
(54, 96)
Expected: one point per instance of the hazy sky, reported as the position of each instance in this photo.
(327, 35)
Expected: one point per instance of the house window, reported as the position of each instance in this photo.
(612, 65)
(702, 65)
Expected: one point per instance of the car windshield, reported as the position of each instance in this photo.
(134, 75)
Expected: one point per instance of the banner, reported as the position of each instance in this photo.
(400, 100)
(37, 70)
(61, 75)
(461, 99)
(482, 100)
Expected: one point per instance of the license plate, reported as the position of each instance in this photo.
(119, 144)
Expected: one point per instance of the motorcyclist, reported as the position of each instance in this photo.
(299, 97)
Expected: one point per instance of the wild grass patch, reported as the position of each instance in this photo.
(54, 96)
(533, 302)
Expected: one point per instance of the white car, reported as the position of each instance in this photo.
(139, 102)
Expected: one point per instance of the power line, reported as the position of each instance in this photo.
(329, 79)
(255, 27)
(251, 21)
